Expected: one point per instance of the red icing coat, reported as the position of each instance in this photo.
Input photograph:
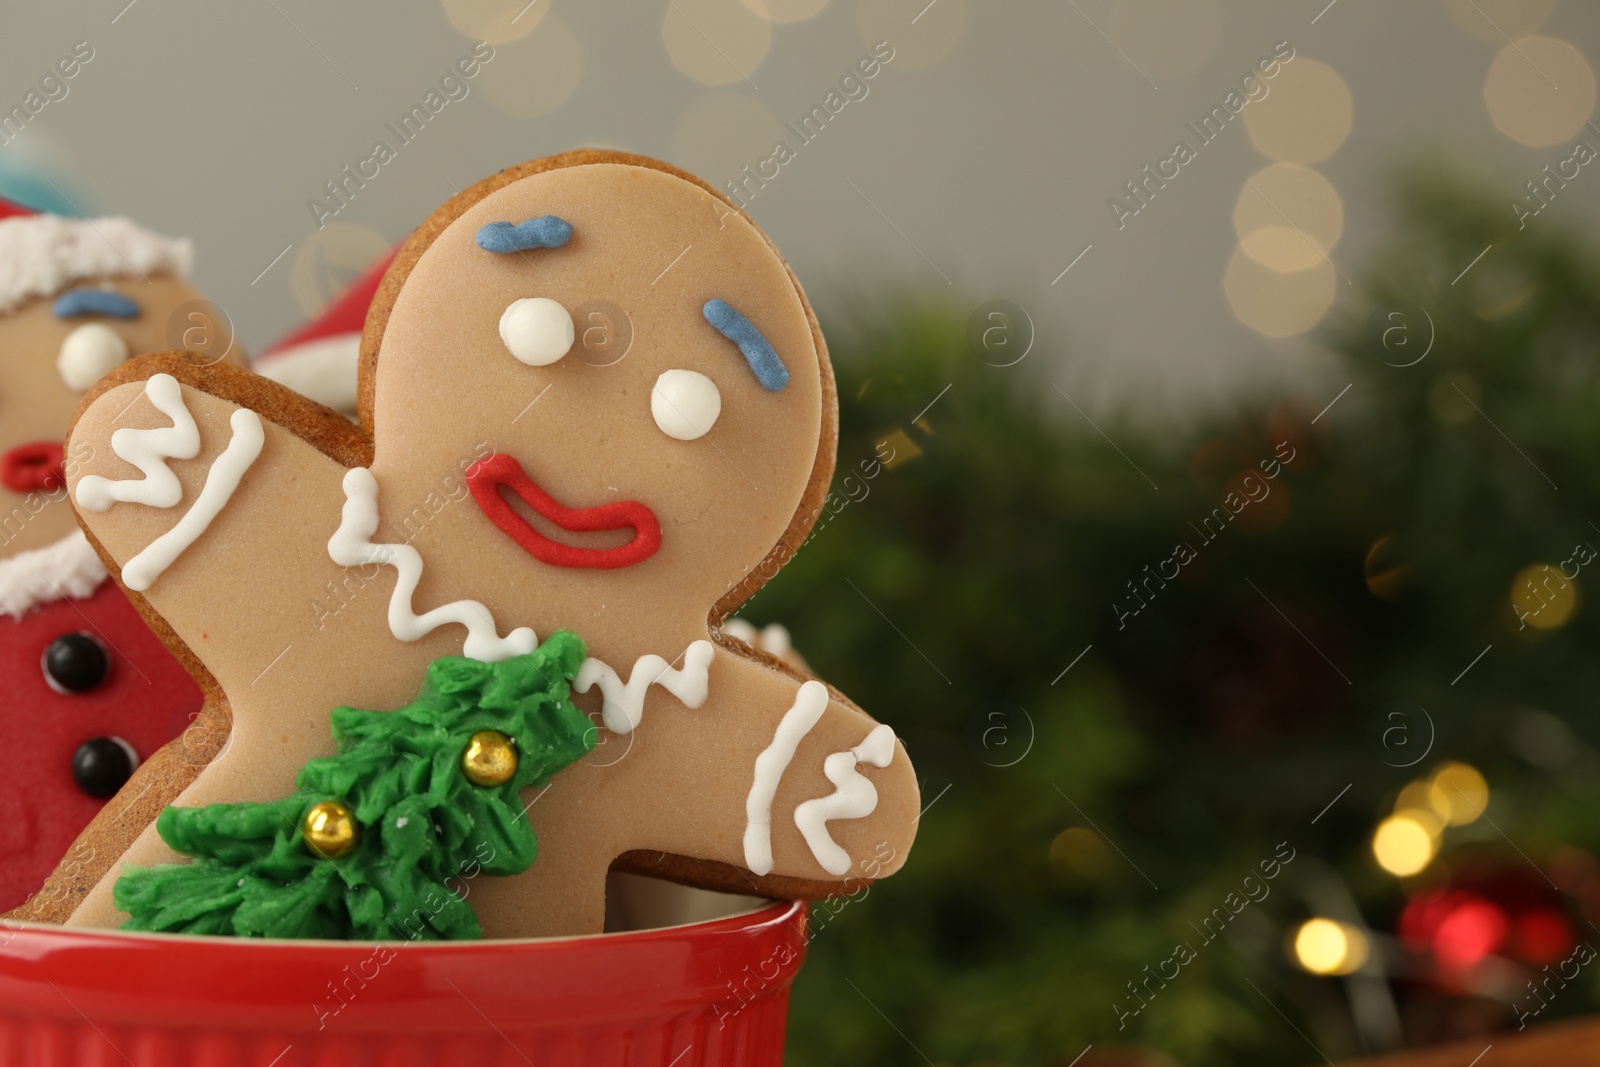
(147, 699)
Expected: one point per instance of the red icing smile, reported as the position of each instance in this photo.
(31, 467)
(489, 475)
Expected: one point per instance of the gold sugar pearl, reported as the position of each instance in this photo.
(330, 829)
(490, 758)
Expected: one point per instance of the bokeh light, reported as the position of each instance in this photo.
(1323, 946)
(1468, 933)
(1287, 217)
(786, 10)
(933, 36)
(1458, 793)
(1547, 743)
(1277, 304)
(536, 75)
(1307, 115)
(1416, 796)
(1281, 247)
(1264, 513)
(1078, 853)
(1452, 398)
(1165, 38)
(1540, 91)
(901, 447)
(1495, 21)
(722, 132)
(1405, 844)
(495, 21)
(715, 42)
(1543, 598)
(1460, 927)
(1541, 936)
(330, 260)
(1385, 576)
(1492, 305)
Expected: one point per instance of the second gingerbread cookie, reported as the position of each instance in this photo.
(513, 486)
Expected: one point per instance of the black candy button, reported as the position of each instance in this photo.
(103, 765)
(75, 663)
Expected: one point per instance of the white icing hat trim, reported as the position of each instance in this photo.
(42, 254)
(68, 568)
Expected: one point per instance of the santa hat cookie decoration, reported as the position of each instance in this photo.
(77, 298)
(90, 691)
(41, 255)
(319, 359)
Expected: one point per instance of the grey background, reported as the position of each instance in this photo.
(221, 121)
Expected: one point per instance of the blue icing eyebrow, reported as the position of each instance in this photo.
(546, 231)
(757, 350)
(95, 302)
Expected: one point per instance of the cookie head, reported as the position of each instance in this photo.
(636, 367)
(78, 297)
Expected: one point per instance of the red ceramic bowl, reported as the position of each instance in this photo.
(709, 993)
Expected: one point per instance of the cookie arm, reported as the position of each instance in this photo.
(820, 797)
(236, 546)
(215, 553)
(672, 800)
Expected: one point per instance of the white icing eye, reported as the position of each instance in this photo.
(537, 330)
(685, 404)
(89, 353)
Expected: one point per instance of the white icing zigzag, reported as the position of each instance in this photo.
(67, 568)
(623, 706)
(853, 797)
(809, 704)
(222, 481)
(352, 546)
(148, 450)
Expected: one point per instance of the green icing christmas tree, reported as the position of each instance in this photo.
(424, 827)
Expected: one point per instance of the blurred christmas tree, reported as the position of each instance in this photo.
(1128, 747)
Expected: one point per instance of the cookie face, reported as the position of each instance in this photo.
(583, 428)
(91, 690)
(514, 484)
(56, 347)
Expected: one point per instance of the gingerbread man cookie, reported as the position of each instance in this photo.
(504, 485)
(90, 690)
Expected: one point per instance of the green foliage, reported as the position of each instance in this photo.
(1196, 735)
(423, 823)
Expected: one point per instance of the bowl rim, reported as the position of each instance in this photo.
(758, 916)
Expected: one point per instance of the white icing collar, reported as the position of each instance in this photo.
(68, 568)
